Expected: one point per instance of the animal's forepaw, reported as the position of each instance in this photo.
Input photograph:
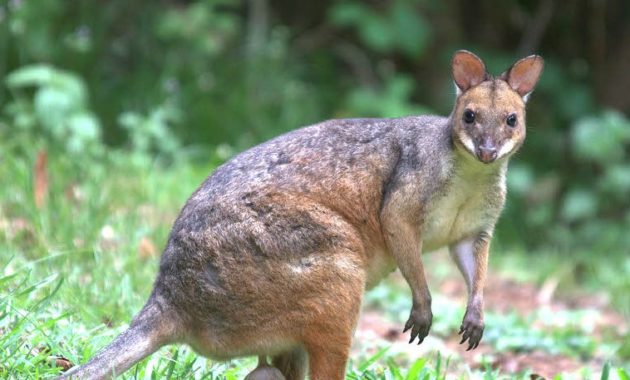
(419, 322)
(471, 329)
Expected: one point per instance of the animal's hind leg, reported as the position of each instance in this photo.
(328, 337)
(328, 362)
(264, 372)
(292, 364)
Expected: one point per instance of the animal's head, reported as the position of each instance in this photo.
(489, 115)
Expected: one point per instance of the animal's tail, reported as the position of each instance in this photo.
(151, 329)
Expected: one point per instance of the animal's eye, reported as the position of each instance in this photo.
(469, 116)
(511, 120)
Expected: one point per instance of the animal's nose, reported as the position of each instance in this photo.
(487, 154)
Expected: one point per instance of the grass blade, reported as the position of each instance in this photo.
(171, 365)
(366, 364)
(416, 368)
(605, 371)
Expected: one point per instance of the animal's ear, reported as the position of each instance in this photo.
(524, 74)
(468, 70)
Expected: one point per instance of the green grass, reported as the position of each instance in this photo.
(72, 274)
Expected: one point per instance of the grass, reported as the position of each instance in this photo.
(74, 270)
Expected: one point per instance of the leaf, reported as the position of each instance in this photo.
(84, 125)
(520, 178)
(346, 14)
(40, 180)
(83, 129)
(412, 32)
(617, 179)
(601, 138)
(579, 204)
(33, 75)
(52, 106)
(376, 32)
(64, 363)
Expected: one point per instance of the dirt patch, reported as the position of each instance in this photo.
(539, 363)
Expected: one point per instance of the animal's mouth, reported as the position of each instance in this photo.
(487, 154)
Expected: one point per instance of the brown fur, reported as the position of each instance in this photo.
(272, 254)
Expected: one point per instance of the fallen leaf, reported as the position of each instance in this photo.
(40, 180)
(64, 363)
(146, 248)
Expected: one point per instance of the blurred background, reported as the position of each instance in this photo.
(112, 112)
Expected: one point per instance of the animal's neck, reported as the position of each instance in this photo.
(471, 170)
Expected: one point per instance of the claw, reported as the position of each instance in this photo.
(408, 325)
(420, 341)
(468, 336)
(470, 347)
(414, 334)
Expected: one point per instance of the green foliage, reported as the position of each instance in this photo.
(601, 139)
(423, 368)
(584, 210)
(152, 134)
(397, 28)
(391, 101)
(59, 108)
(204, 30)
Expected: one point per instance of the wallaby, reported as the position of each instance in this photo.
(272, 253)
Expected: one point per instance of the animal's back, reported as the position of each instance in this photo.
(318, 159)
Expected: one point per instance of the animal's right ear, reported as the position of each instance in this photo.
(524, 74)
(468, 70)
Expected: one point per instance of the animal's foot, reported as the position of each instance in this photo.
(472, 328)
(419, 322)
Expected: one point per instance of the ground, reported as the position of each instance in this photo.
(586, 319)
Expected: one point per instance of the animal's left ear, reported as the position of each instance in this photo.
(524, 74)
(468, 70)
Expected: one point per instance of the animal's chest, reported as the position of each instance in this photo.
(457, 214)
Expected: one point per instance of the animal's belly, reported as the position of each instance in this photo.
(381, 264)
